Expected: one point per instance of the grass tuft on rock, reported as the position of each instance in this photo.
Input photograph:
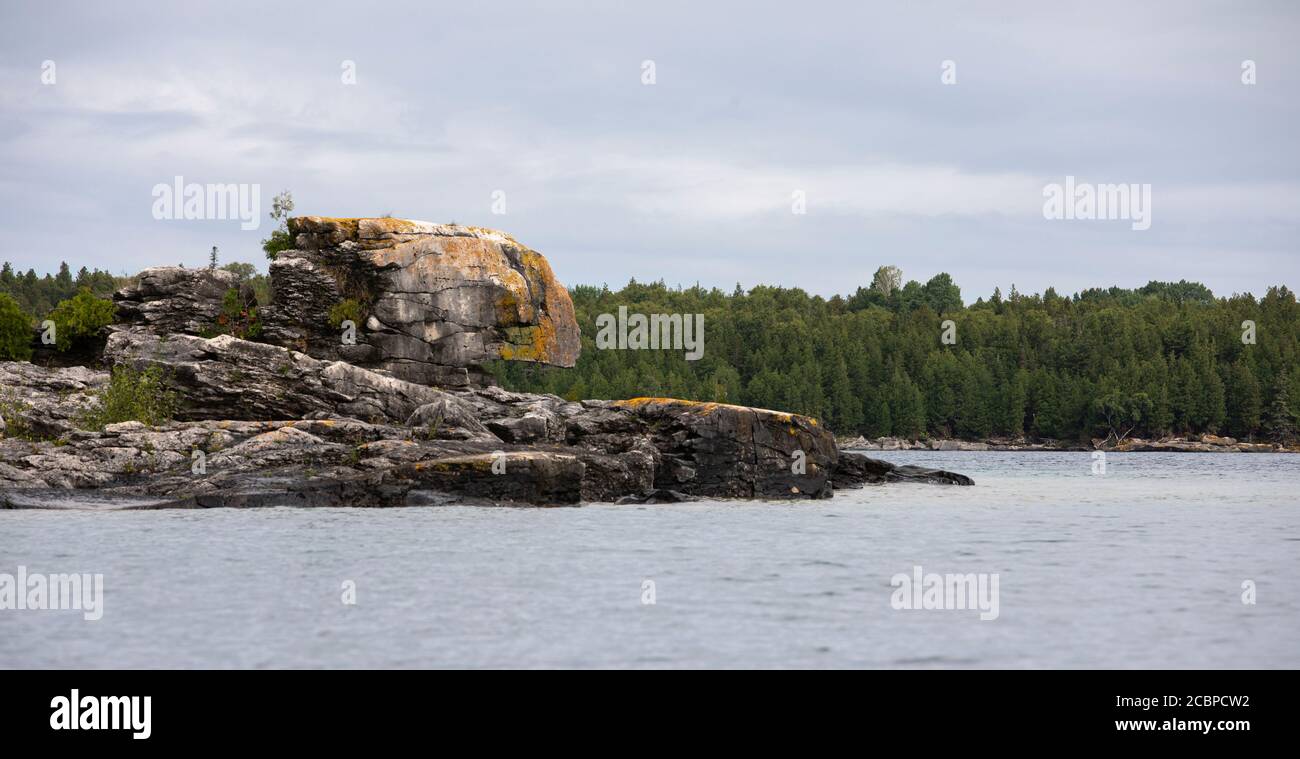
(349, 309)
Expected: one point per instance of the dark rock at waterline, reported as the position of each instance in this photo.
(854, 469)
(724, 451)
(657, 496)
(420, 444)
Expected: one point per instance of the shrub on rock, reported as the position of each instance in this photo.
(15, 331)
(80, 317)
(132, 396)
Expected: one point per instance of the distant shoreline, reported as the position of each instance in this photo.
(1201, 444)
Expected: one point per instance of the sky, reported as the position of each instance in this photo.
(794, 144)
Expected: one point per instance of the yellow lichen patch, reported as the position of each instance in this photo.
(507, 307)
(534, 261)
(523, 344)
(556, 317)
(537, 342)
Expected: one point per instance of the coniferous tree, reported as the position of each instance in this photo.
(1243, 401)
(1037, 363)
(1280, 424)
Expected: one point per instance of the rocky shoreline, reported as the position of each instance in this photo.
(360, 384)
(451, 450)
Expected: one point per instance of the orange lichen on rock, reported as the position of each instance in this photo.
(436, 298)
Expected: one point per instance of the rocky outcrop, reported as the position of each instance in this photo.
(170, 300)
(1207, 444)
(262, 425)
(388, 410)
(45, 403)
(855, 470)
(903, 444)
(882, 444)
(429, 302)
(958, 445)
(228, 378)
(725, 451)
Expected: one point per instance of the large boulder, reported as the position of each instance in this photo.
(854, 470)
(725, 451)
(429, 302)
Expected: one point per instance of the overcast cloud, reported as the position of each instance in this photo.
(688, 179)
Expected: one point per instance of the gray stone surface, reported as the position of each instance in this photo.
(435, 300)
(172, 300)
(263, 426)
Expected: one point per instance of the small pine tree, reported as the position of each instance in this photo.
(1280, 422)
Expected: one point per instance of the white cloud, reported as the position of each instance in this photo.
(694, 175)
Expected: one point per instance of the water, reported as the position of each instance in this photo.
(1142, 567)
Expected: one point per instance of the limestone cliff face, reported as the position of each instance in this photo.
(431, 302)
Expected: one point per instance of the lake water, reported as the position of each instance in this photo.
(1140, 567)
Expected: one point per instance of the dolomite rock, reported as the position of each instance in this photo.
(302, 417)
(724, 451)
(228, 378)
(958, 445)
(44, 403)
(172, 300)
(243, 405)
(855, 470)
(435, 300)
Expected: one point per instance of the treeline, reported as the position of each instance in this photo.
(1168, 358)
(81, 306)
(40, 294)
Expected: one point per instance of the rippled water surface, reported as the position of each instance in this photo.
(1141, 567)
